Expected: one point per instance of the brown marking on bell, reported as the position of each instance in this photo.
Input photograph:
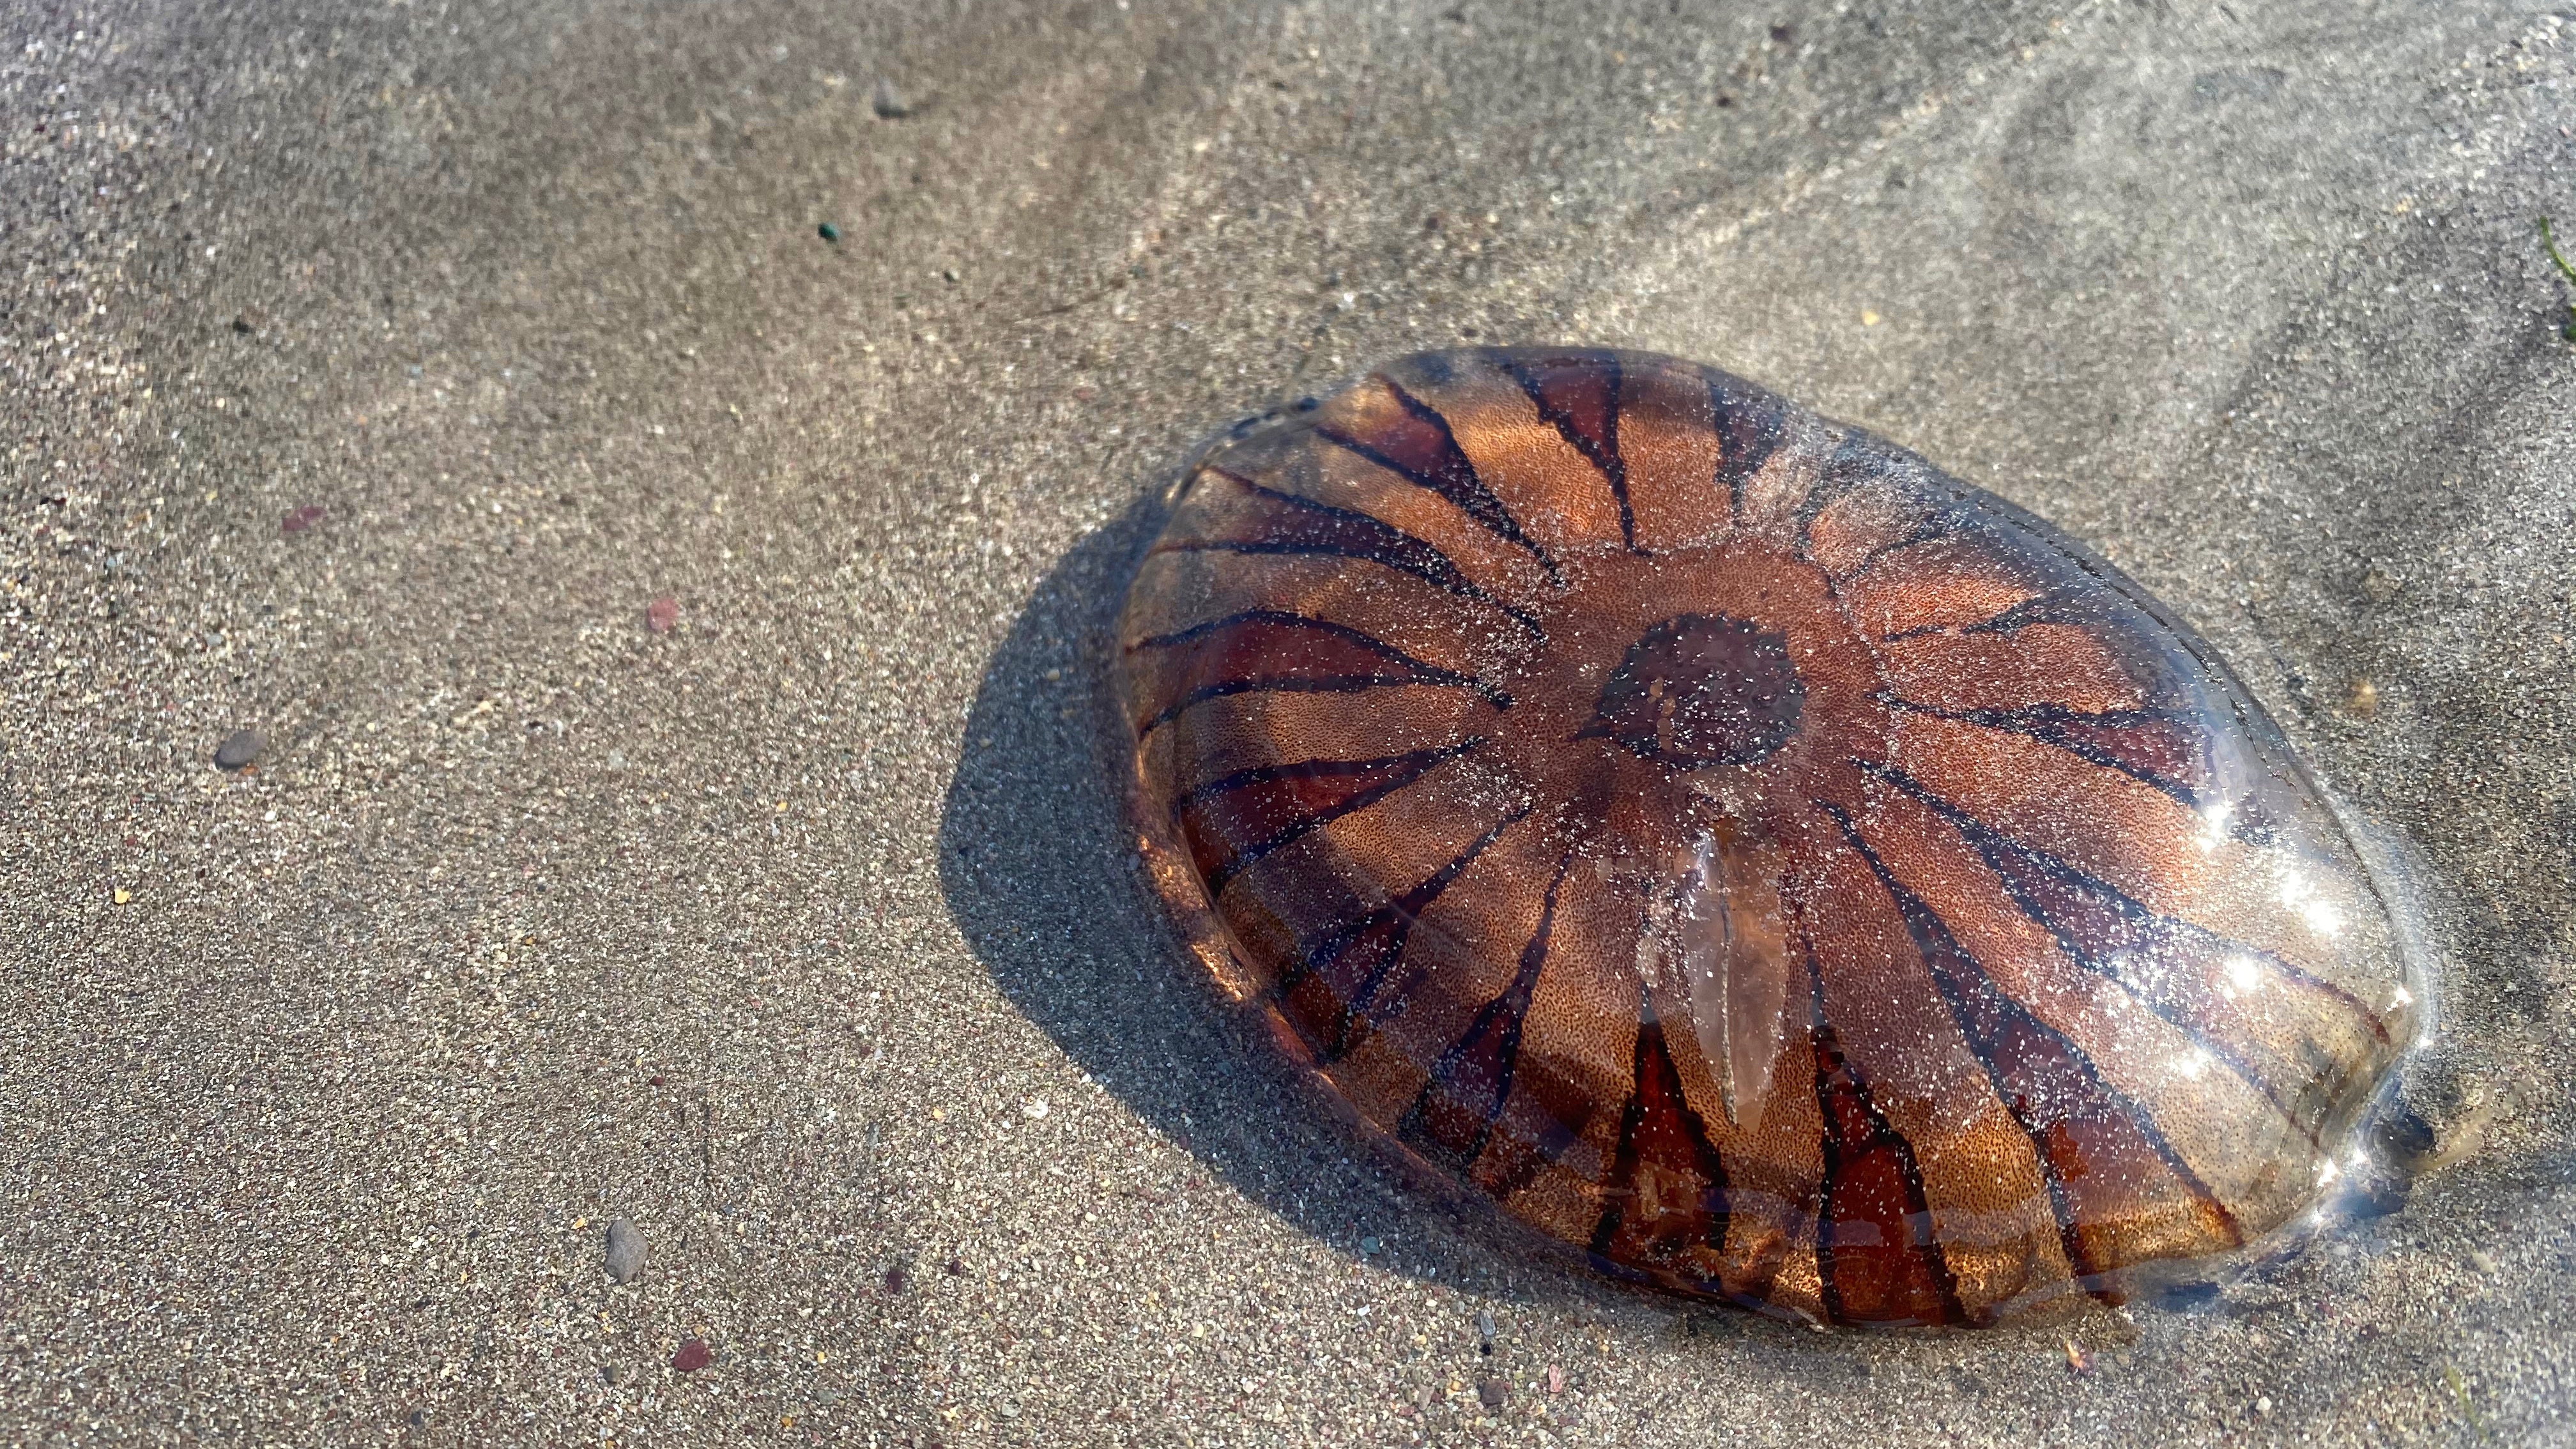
(1778, 870)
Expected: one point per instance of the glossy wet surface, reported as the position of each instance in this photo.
(321, 1077)
(1744, 853)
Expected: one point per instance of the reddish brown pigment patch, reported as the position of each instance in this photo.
(1775, 868)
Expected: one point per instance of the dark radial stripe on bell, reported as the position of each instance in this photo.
(1294, 525)
(1667, 1184)
(2076, 604)
(2078, 911)
(1329, 988)
(1277, 684)
(1293, 653)
(1854, 464)
(1578, 394)
(1423, 451)
(1453, 1117)
(2153, 747)
(2093, 1143)
(1231, 822)
(2100, 925)
(1750, 423)
(1930, 529)
(1876, 1253)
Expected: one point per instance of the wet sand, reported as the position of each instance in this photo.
(373, 372)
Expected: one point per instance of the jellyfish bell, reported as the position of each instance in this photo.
(1742, 853)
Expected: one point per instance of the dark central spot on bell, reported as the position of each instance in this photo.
(1701, 689)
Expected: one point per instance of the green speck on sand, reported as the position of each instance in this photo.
(828, 232)
(2549, 244)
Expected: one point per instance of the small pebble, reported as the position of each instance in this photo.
(248, 320)
(1371, 1246)
(2482, 1260)
(693, 1356)
(625, 1250)
(1489, 1392)
(1484, 1324)
(239, 749)
(889, 102)
(609, 1374)
(1556, 1378)
(896, 1279)
(300, 520)
(661, 614)
(828, 232)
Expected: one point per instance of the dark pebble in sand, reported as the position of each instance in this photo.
(240, 748)
(1489, 1392)
(625, 1250)
(889, 102)
(693, 1356)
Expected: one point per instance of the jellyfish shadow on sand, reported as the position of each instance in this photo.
(1040, 870)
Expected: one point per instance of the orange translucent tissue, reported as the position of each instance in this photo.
(1742, 852)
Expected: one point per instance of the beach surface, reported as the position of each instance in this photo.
(640, 492)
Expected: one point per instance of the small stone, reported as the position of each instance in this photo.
(249, 320)
(1035, 1107)
(2482, 1260)
(896, 1279)
(300, 519)
(239, 749)
(693, 1356)
(1784, 34)
(1490, 1392)
(625, 1250)
(662, 614)
(2361, 697)
(1370, 1247)
(609, 1373)
(1484, 1325)
(1868, 318)
(828, 232)
(888, 102)
(2402, 1137)
(1556, 1378)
